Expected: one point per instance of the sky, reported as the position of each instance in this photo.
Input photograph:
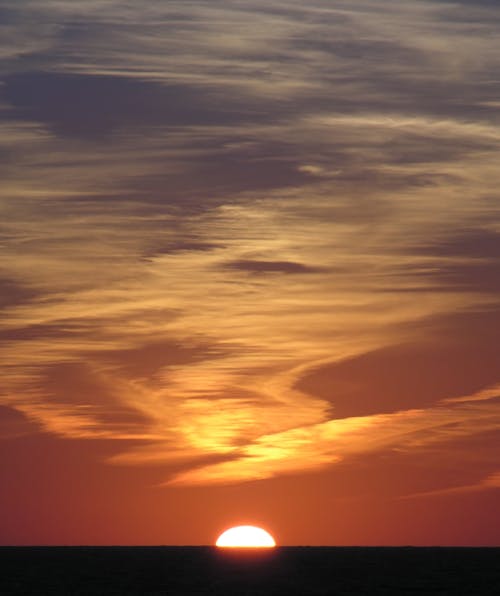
(250, 271)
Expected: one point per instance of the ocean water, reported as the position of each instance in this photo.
(305, 571)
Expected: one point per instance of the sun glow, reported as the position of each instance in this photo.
(245, 537)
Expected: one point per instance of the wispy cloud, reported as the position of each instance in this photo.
(216, 219)
(315, 447)
(490, 482)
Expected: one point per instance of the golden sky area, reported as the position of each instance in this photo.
(249, 271)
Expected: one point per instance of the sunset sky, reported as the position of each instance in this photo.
(250, 271)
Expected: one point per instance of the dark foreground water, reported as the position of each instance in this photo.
(283, 571)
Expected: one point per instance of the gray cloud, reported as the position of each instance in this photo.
(89, 106)
(479, 244)
(466, 261)
(255, 266)
(472, 277)
(34, 332)
(13, 293)
(147, 360)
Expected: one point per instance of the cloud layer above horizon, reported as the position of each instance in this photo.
(254, 238)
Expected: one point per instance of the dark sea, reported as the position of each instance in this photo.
(282, 571)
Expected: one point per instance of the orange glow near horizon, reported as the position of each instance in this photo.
(245, 537)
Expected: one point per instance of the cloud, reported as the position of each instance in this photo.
(309, 449)
(490, 482)
(14, 424)
(471, 244)
(13, 293)
(97, 105)
(254, 266)
(466, 260)
(74, 400)
(147, 360)
(259, 237)
(460, 357)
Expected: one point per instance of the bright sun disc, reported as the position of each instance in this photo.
(245, 537)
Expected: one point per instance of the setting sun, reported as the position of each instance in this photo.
(245, 537)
